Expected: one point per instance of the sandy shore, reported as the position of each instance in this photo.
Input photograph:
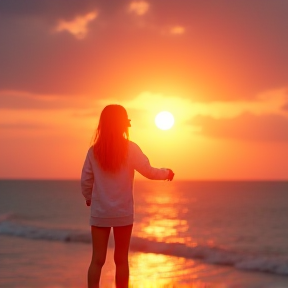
(148, 270)
(28, 263)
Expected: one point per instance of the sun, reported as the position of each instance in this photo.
(164, 120)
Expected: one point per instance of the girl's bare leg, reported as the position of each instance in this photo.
(122, 237)
(100, 236)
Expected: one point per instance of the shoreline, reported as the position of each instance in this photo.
(28, 263)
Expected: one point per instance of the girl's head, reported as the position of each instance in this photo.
(114, 121)
(111, 139)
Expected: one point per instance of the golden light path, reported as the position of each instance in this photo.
(164, 120)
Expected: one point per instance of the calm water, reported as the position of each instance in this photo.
(232, 234)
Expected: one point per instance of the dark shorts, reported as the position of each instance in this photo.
(112, 222)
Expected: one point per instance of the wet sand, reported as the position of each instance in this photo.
(29, 263)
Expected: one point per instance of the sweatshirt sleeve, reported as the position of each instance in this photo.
(142, 165)
(87, 178)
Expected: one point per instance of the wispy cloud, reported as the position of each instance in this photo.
(177, 30)
(263, 119)
(21, 100)
(270, 102)
(77, 26)
(285, 107)
(139, 7)
(22, 126)
(247, 127)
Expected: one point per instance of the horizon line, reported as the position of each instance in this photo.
(175, 180)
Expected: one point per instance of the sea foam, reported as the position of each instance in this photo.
(212, 255)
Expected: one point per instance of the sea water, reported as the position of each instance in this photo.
(232, 234)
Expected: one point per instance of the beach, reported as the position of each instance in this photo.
(51, 264)
(45, 239)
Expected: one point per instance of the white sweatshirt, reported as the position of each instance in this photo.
(111, 194)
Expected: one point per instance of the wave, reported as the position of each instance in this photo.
(211, 255)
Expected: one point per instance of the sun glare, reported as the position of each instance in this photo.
(164, 120)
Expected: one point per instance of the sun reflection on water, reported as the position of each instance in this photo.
(164, 217)
(165, 230)
(156, 269)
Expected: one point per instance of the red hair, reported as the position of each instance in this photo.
(111, 139)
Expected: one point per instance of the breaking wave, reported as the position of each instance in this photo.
(212, 255)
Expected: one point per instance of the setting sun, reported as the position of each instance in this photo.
(164, 120)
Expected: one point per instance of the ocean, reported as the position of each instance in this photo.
(186, 234)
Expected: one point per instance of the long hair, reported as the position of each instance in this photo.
(111, 138)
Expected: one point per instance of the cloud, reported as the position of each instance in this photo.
(19, 100)
(139, 7)
(270, 102)
(177, 30)
(77, 26)
(285, 107)
(22, 126)
(259, 120)
(230, 50)
(245, 127)
(58, 9)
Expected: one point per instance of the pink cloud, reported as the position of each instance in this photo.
(247, 127)
(20, 100)
(139, 7)
(285, 107)
(226, 52)
(177, 30)
(77, 26)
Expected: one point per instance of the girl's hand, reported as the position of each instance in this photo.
(170, 175)
(88, 202)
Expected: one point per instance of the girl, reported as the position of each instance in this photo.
(107, 185)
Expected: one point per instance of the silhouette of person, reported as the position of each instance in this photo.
(107, 185)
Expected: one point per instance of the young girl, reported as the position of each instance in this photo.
(107, 185)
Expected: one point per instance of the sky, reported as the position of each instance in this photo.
(219, 66)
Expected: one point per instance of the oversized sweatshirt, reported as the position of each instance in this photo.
(111, 194)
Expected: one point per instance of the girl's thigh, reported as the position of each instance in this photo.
(122, 236)
(100, 237)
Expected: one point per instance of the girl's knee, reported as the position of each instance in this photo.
(98, 261)
(120, 260)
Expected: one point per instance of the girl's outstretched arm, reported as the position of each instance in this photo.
(142, 165)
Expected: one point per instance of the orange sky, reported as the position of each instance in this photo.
(220, 67)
